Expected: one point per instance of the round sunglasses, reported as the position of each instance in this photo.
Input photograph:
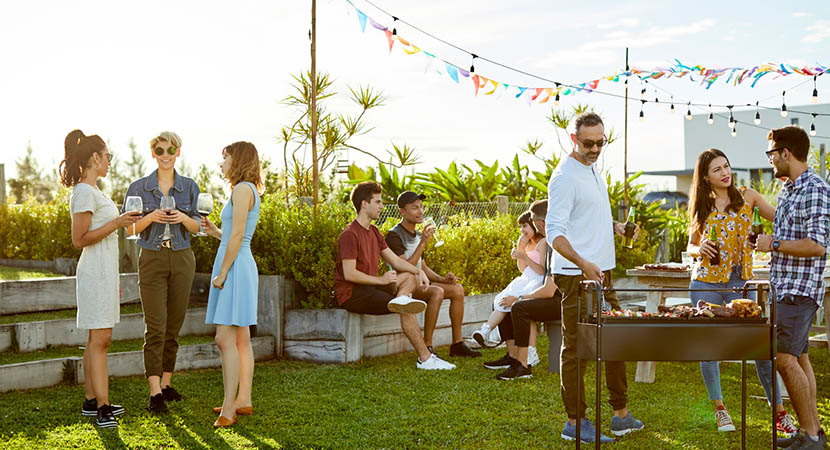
(170, 150)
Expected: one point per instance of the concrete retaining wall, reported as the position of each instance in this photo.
(338, 336)
(49, 294)
(39, 374)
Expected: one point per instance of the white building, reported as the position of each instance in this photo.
(746, 149)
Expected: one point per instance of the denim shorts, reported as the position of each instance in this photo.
(720, 298)
(794, 316)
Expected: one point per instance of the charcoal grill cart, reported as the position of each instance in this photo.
(674, 339)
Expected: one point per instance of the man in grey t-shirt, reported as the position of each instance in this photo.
(405, 241)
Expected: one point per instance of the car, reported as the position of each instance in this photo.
(669, 199)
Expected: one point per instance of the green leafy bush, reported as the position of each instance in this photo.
(37, 231)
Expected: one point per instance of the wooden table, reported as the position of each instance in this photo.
(661, 279)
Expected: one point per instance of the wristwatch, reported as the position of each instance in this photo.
(520, 297)
(775, 244)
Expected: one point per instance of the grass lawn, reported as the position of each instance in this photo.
(387, 403)
(16, 273)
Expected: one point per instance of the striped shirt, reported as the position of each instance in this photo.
(803, 211)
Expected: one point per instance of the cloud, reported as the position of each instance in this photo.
(819, 31)
(626, 22)
(600, 51)
(800, 14)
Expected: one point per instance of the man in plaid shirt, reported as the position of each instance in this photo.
(801, 235)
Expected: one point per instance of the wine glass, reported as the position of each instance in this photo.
(430, 221)
(132, 204)
(204, 205)
(167, 205)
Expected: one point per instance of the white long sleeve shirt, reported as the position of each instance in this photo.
(579, 209)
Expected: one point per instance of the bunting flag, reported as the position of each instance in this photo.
(705, 76)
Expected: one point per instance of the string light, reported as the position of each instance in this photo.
(689, 111)
(813, 126)
(757, 114)
(642, 116)
(394, 29)
(731, 117)
(711, 118)
(815, 90)
(472, 63)
(556, 99)
(671, 108)
(783, 105)
(734, 131)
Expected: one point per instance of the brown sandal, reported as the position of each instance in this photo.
(243, 411)
(223, 421)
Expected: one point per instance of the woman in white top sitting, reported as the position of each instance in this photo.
(529, 255)
(94, 220)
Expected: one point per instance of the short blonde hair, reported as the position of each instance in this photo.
(166, 136)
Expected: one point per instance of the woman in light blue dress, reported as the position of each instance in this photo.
(232, 303)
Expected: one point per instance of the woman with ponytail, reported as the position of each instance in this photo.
(94, 220)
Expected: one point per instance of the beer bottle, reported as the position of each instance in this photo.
(630, 226)
(713, 236)
(757, 227)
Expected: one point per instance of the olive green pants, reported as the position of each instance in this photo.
(614, 370)
(165, 278)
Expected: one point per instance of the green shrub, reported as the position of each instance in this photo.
(37, 231)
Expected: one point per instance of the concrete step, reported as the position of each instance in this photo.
(49, 372)
(31, 336)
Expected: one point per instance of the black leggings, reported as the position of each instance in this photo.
(537, 309)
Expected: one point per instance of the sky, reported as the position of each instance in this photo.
(216, 72)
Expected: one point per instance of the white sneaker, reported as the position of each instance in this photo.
(435, 363)
(406, 305)
(532, 356)
(481, 335)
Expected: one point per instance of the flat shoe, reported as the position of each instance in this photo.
(223, 421)
(243, 411)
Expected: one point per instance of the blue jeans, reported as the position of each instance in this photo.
(711, 369)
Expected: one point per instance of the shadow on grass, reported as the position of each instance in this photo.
(283, 444)
(110, 437)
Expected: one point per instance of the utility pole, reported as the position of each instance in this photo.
(3, 183)
(625, 143)
(315, 176)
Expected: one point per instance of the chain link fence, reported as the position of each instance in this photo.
(440, 212)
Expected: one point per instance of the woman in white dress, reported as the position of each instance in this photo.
(94, 220)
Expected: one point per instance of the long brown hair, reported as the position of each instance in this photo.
(701, 195)
(245, 165)
(526, 218)
(78, 149)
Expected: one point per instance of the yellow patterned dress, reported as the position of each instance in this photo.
(732, 229)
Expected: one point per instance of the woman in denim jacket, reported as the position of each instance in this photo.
(165, 266)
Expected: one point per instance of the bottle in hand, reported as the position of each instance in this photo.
(757, 227)
(630, 227)
(713, 236)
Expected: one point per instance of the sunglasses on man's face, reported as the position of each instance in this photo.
(772, 152)
(170, 150)
(589, 144)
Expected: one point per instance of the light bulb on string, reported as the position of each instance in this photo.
(783, 105)
(711, 118)
(472, 63)
(689, 111)
(731, 117)
(394, 28)
(556, 99)
(671, 108)
(757, 115)
(813, 126)
(814, 99)
(734, 131)
(642, 116)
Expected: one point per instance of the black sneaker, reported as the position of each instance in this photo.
(461, 349)
(90, 409)
(156, 404)
(171, 395)
(105, 418)
(517, 370)
(500, 364)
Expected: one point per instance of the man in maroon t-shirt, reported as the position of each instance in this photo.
(359, 289)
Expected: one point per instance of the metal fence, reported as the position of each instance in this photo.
(440, 212)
